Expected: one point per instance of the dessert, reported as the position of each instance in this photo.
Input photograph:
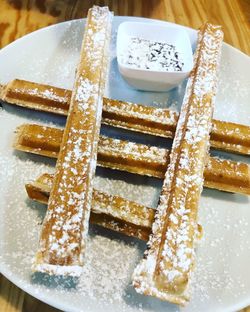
(136, 158)
(165, 270)
(224, 135)
(109, 211)
(61, 246)
(63, 237)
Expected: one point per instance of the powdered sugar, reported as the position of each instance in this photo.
(172, 241)
(71, 196)
(147, 54)
(219, 280)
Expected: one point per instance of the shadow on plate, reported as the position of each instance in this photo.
(230, 156)
(34, 115)
(24, 156)
(137, 137)
(55, 282)
(38, 207)
(147, 303)
(225, 196)
(132, 178)
(117, 85)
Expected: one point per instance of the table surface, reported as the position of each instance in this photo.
(19, 17)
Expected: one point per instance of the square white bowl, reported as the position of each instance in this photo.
(147, 79)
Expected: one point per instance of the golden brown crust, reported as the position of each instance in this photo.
(231, 137)
(225, 175)
(65, 227)
(35, 96)
(165, 270)
(109, 211)
(224, 135)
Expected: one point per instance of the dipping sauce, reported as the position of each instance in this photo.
(152, 55)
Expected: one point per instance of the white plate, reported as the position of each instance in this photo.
(221, 280)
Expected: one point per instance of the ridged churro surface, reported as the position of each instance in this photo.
(65, 227)
(224, 135)
(165, 270)
(109, 211)
(221, 174)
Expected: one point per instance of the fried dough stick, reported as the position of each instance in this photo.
(221, 174)
(227, 136)
(109, 211)
(65, 227)
(165, 270)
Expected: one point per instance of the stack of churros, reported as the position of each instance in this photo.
(109, 211)
(165, 270)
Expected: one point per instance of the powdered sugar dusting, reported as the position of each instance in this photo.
(65, 226)
(165, 271)
(223, 216)
(148, 119)
(137, 158)
(46, 93)
(154, 55)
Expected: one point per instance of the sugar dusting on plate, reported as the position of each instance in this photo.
(106, 279)
(110, 258)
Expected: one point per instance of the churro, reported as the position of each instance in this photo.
(165, 270)
(221, 174)
(63, 238)
(224, 135)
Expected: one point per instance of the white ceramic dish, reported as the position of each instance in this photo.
(152, 79)
(221, 279)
